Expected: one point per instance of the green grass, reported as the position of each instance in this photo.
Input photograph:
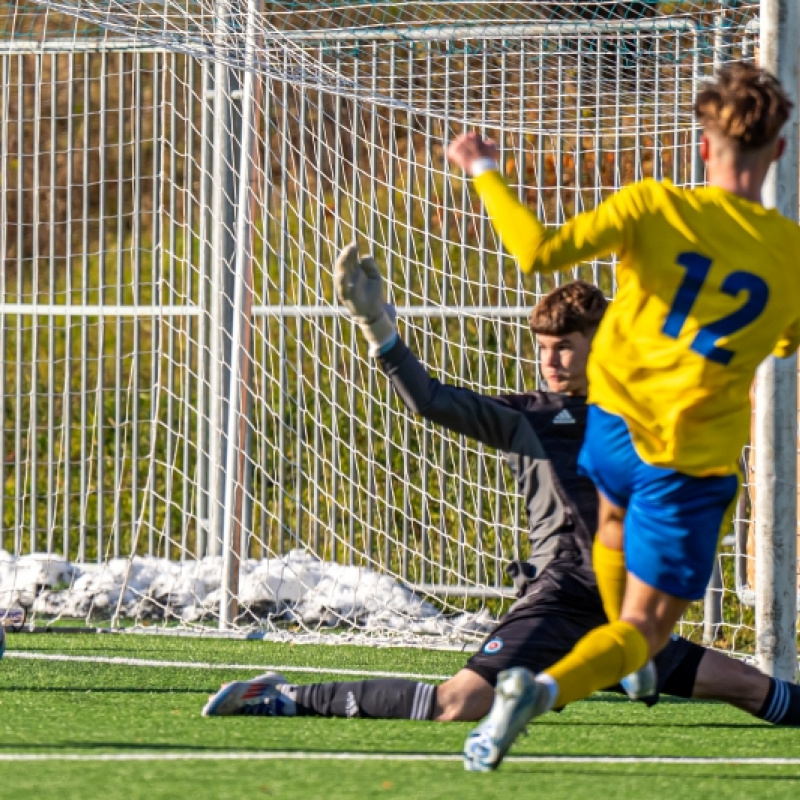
(88, 709)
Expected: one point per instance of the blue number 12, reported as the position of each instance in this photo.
(705, 342)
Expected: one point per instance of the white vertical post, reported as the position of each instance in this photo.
(223, 209)
(236, 488)
(230, 301)
(776, 392)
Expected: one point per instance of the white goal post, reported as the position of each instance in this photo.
(776, 453)
(192, 434)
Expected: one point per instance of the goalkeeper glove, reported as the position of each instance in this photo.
(359, 286)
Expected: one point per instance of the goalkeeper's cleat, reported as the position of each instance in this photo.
(641, 684)
(257, 697)
(518, 699)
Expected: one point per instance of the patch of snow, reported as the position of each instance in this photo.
(297, 589)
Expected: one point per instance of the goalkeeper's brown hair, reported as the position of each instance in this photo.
(574, 307)
(744, 104)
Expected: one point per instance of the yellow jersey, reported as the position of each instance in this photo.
(708, 286)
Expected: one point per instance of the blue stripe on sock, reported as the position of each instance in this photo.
(780, 702)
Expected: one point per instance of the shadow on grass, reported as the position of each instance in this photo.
(558, 771)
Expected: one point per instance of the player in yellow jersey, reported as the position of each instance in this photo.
(709, 285)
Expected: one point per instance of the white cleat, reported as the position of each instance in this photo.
(642, 683)
(256, 697)
(518, 699)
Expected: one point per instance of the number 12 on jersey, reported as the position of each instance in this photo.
(705, 342)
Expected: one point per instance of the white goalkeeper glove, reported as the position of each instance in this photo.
(359, 286)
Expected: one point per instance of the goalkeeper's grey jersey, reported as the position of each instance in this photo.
(540, 435)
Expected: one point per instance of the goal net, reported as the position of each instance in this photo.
(192, 433)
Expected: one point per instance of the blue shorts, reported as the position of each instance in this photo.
(673, 522)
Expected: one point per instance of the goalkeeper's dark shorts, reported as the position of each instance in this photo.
(543, 626)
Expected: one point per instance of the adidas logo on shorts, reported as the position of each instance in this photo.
(563, 418)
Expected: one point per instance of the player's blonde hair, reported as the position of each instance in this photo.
(575, 306)
(746, 105)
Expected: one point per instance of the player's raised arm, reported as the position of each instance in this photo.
(535, 247)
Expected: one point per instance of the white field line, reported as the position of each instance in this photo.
(434, 757)
(255, 668)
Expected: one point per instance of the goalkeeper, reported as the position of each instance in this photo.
(540, 434)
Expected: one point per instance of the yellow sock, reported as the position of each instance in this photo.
(609, 568)
(599, 660)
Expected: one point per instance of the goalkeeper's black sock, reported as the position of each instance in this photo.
(782, 705)
(383, 698)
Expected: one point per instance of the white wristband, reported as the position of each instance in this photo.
(481, 165)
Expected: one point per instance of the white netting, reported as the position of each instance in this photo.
(173, 205)
(476, 59)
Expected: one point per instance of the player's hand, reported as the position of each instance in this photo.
(359, 286)
(467, 148)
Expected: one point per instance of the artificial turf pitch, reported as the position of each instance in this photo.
(80, 717)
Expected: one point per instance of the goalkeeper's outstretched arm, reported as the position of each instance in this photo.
(493, 421)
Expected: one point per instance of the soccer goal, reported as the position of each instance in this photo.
(193, 436)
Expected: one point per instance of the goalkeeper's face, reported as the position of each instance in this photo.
(563, 361)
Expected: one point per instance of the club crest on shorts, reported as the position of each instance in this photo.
(493, 646)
